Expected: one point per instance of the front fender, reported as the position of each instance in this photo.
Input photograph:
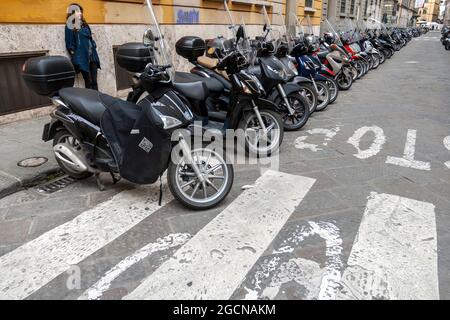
(320, 77)
(51, 128)
(300, 79)
(245, 104)
(288, 88)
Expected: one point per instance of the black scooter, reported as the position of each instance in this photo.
(94, 133)
(245, 107)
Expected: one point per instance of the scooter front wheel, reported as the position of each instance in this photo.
(376, 61)
(309, 92)
(344, 80)
(298, 119)
(334, 89)
(382, 57)
(187, 187)
(258, 142)
(323, 95)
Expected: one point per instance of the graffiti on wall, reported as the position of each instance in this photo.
(190, 16)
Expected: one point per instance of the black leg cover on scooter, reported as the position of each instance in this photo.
(137, 138)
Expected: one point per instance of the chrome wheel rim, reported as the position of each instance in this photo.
(255, 136)
(212, 167)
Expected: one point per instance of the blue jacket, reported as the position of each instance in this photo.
(81, 43)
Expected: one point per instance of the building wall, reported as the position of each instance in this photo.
(340, 10)
(399, 12)
(430, 11)
(447, 13)
(311, 9)
(38, 25)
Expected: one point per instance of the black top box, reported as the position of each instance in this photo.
(134, 56)
(47, 75)
(190, 47)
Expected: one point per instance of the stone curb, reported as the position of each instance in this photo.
(27, 182)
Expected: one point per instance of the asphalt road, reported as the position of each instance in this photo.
(358, 210)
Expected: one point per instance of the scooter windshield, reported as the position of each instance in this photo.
(232, 27)
(378, 26)
(155, 38)
(355, 34)
(331, 32)
(295, 29)
(243, 45)
(269, 32)
(306, 26)
(286, 38)
(346, 31)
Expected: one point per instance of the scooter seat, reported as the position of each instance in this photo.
(192, 90)
(86, 103)
(212, 84)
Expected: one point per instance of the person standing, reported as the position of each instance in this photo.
(81, 46)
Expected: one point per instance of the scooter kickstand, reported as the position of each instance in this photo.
(100, 185)
(114, 178)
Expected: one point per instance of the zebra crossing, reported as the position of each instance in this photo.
(245, 251)
(426, 38)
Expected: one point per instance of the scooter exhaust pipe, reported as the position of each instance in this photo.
(70, 157)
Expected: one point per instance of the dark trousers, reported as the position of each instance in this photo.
(90, 78)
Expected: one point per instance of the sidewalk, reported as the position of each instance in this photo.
(19, 141)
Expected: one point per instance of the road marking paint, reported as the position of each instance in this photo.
(447, 146)
(215, 261)
(320, 283)
(329, 134)
(375, 147)
(34, 264)
(161, 244)
(408, 154)
(395, 252)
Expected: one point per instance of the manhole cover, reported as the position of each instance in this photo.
(32, 162)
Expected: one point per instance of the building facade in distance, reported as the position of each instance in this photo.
(430, 11)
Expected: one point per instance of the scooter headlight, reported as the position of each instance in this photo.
(245, 88)
(168, 121)
(279, 72)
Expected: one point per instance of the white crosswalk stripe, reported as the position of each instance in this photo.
(394, 255)
(31, 266)
(214, 262)
(426, 39)
(395, 252)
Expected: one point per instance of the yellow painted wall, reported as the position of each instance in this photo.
(314, 16)
(134, 12)
(125, 11)
(47, 11)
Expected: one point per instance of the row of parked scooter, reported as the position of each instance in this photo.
(257, 87)
(445, 38)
